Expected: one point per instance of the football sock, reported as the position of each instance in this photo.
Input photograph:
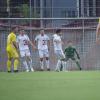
(25, 65)
(9, 65)
(16, 63)
(41, 64)
(47, 64)
(78, 65)
(30, 63)
(58, 65)
(61, 66)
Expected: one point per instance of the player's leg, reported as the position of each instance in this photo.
(63, 65)
(29, 60)
(24, 60)
(41, 64)
(9, 65)
(16, 64)
(9, 62)
(47, 63)
(16, 60)
(58, 65)
(77, 62)
(63, 62)
(9, 55)
(41, 59)
(46, 54)
(25, 63)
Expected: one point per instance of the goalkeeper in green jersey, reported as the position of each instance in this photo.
(70, 52)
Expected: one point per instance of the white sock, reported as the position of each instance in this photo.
(58, 65)
(47, 64)
(25, 65)
(30, 63)
(41, 64)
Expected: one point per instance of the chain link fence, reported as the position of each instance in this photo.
(82, 31)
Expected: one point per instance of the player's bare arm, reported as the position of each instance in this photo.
(15, 44)
(35, 43)
(33, 46)
(49, 44)
(98, 33)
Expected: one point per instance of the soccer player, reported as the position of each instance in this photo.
(70, 52)
(23, 43)
(57, 42)
(43, 42)
(98, 33)
(12, 50)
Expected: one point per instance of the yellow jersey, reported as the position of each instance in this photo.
(10, 39)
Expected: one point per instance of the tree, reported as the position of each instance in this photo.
(25, 10)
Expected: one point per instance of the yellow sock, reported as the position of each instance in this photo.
(16, 63)
(9, 65)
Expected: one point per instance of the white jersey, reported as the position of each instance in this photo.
(23, 42)
(42, 41)
(57, 42)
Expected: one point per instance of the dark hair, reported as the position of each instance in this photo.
(13, 28)
(58, 30)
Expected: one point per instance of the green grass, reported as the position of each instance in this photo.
(50, 86)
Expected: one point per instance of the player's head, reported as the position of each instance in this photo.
(42, 32)
(59, 32)
(70, 43)
(14, 29)
(22, 32)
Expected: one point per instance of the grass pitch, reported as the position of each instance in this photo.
(78, 85)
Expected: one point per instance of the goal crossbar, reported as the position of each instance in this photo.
(76, 18)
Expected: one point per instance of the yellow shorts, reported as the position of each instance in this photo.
(12, 53)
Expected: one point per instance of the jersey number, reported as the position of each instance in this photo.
(25, 42)
(44, 42)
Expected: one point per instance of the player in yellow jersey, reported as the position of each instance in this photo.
(12, 50)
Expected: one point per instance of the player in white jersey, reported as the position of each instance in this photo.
(57, 42)
(43, 43)
(23, 42)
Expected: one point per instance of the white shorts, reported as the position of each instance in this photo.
(43, 53)
(24, 53)
(59, 54)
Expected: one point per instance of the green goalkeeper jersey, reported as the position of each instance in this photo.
(70, 52)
